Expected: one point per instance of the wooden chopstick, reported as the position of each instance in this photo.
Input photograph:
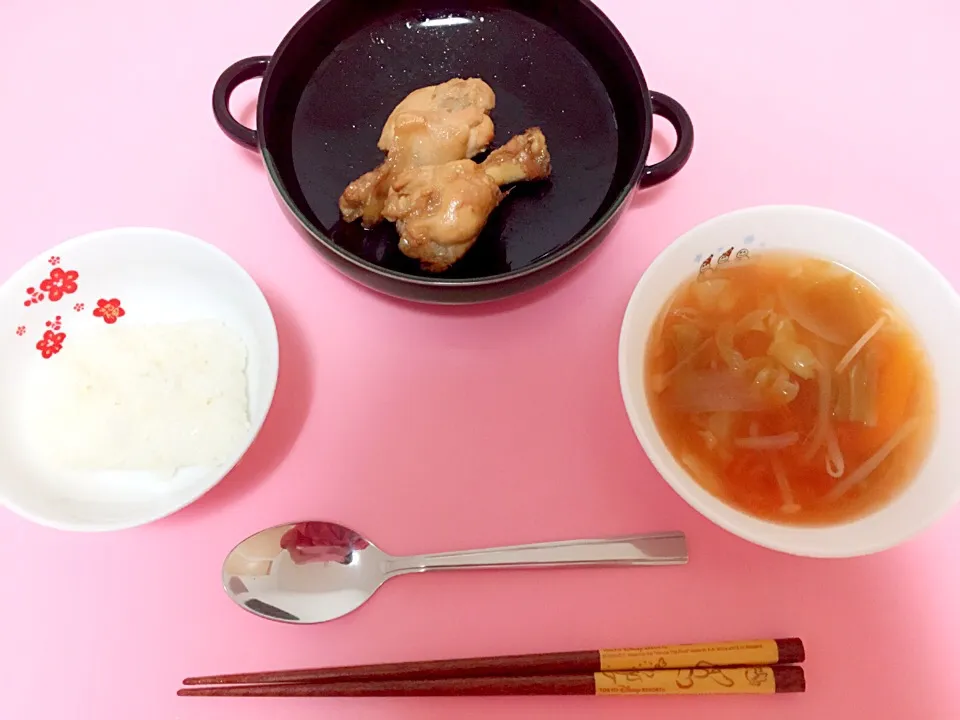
(756, 680)
(724, 654)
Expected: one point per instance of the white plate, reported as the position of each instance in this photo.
(159, 276)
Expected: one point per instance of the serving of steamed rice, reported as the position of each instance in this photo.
(149, 397)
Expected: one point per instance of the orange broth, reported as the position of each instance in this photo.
(757, 387)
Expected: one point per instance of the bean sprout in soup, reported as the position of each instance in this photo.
(790, 388)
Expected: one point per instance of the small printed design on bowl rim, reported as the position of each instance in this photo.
(897, 270)
(61, 285)
(106, 280)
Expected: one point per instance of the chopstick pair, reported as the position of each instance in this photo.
(749, 667)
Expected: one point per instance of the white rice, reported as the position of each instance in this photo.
(148, 397)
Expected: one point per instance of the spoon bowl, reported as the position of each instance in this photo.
(313, 572)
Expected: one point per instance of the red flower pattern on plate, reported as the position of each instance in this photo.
(109, 310)
(54, 324)
(78, 307)
(54, 260)
(61, 282)
(35, 297)
(21, 330)
(51, 344)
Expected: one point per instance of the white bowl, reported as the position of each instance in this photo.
(159, 276)
(902, 274)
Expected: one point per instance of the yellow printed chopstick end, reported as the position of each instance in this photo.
(691, 681)
(729, 654)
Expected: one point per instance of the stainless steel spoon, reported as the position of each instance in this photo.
(312, 572)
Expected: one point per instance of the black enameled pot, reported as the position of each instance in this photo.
(559, 64)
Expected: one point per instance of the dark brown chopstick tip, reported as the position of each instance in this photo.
(790, 651)
(789, 679)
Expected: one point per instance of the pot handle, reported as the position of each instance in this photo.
(239, 72)
(666, 107)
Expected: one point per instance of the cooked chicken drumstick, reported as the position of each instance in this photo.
(463, 103)
(431, 126)
(524, 157)
(441, 209)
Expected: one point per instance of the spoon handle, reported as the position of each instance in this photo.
(652, 549)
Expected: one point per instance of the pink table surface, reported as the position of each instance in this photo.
(438, 429)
